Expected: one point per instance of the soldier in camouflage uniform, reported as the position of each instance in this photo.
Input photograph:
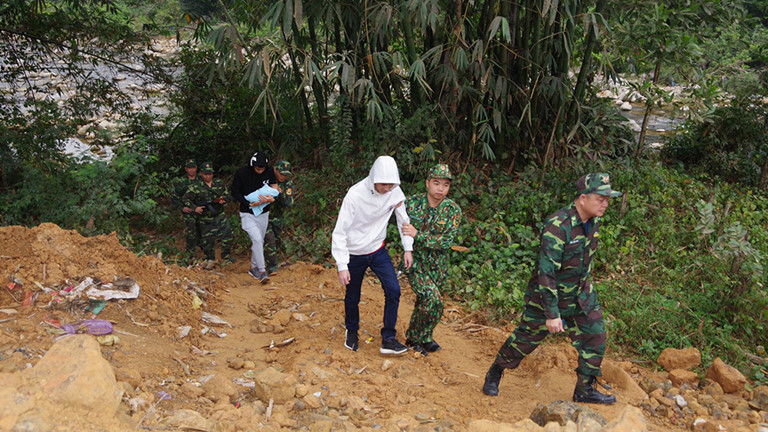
(434, 222)
(208, 197)
(560, 292)
(272, 240)
(178, 188)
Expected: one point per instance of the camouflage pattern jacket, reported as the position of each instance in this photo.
(564, 263)
(179, 187)
(283, 201)
(199, 194)
(437, 228)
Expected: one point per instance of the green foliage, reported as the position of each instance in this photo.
(732, 142)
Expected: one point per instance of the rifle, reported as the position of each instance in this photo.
(209, 208)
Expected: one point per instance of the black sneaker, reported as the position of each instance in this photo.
(431, 346)
(392, 347)
(255, 274)
(351, 341)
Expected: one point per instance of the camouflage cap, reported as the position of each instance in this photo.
(283, 167)
(190, 163)
(598, 183)
(207, 168)
(440, 171)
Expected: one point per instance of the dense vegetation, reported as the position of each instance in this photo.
(502, 90)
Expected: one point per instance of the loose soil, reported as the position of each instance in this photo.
(442, 389)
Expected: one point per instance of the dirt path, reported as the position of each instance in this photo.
(210, 373)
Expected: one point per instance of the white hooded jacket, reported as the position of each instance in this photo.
(362, 223)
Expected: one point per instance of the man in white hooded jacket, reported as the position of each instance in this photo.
(358, 243)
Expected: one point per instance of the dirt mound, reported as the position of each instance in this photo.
(214, 368)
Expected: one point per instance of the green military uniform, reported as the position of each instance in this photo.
(272, 239)
(178, 187)
(213, 221)
(560, 287)
(437, 228)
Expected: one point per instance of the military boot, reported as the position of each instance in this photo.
(492, 378)
(585, 392)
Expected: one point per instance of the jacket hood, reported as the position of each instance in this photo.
(384, 170)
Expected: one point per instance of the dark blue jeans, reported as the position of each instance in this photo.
(381, 265)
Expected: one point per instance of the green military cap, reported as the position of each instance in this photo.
(207, 167)
(190, 163)
(598, 183)
(440, 171)
(284, 168)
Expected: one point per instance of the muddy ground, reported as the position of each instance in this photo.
(302, 304)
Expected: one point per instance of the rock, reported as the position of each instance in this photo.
(300, 317)
(730, 379)
(188, 419)
(191, 391)
(386, 364)
(141, 402)
(619, 378)
(248, 364)
(562, 411)
(219, 388)
(283, 316)
(130, 376)
(701, 425)
(12, 404)
(74, 372)
(630, 420)
(759, 397)
(82, 130)
(682, 376)
(272, 384)
(301, 390)
(680, 401)
(626, 106)
(492, 426)
(313, 401)
(712, 388)
(235, 363)
(687, 359)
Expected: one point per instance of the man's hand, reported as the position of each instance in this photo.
(407, 259)
(555, 325)
(221, 200)
(344, 277)
(199, 210)
(187, 210)
(409, 230)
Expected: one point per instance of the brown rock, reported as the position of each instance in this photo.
(630, 420)
(617, 375)
(131, 376)
(191, 391)
(219, 388)
(282, 316)
(671, 358)
(759, 397)
(727, 376)
(682, 376)
(73, 371)
(492, 426)
(272, 384)
(701, 425)
(187, 419)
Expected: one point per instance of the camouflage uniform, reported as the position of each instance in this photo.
(213, 221)
(560, 287)
(178, 187)
(437, 228)
(272, 239)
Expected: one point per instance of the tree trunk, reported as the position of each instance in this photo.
(648, 108)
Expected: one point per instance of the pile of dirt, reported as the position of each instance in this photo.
(271, 356)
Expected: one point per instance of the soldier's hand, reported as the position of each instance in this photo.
(344, 277)
(199, 210)
(187, 210)
(409, 230)
(221, 200)
(555, 325)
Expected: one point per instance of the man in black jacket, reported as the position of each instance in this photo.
(249, 179)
